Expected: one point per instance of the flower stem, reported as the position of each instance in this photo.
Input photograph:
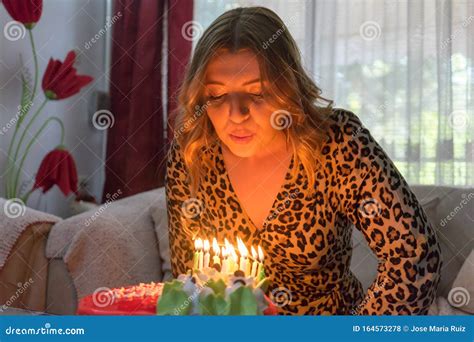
(35, 58)
(23, 112)
(28, 147)
(15, 155)
(25, 197)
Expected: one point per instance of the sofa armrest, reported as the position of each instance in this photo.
(111, 246)
(23, 279)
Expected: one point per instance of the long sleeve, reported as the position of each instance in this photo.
(378, 200)
(180, 225)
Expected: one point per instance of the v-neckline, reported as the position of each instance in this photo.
(236, 197)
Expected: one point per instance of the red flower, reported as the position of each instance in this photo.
(60, 80)
(28, 12)
(57, 168)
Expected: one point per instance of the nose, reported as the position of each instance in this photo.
(239, 108)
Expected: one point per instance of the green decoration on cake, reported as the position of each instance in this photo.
(210, 292)
(174, 300)
(213, 305)
(243, 302)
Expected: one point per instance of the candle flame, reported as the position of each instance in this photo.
(260, 253)
(206, 245)
(198, 243)
(231, 251)
(242, 249)
(215, 247)
(226, 244)
(254, 253)
(224, 252)
(234, 255)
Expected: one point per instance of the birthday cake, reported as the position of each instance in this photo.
(222, 285)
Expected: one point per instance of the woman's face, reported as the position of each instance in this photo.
(237, 108)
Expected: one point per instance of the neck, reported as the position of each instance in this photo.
(276, 147)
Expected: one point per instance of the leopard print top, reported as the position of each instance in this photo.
(307, 237)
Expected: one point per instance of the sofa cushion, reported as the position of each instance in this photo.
(23, 279)
(462, 293)
(453, 220)
(61, 297)
(160, 218)
(114, 245)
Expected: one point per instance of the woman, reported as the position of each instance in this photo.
(257, 155)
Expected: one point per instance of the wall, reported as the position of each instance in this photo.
(64, 25)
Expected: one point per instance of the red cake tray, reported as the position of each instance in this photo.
(134, 300)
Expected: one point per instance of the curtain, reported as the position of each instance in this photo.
(146, 47)
(406, 68)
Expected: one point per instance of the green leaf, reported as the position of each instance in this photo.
(25, 101)
(213, 305)
(217, 286)
(243, 302)
(173, 300)
(174, 284)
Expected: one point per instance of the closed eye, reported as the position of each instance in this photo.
(256, 96)
(216, 98)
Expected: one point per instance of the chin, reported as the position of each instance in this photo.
(241, 151)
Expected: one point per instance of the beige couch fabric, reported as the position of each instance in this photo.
(23, 279)
(112, 246)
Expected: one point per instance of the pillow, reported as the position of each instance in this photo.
(461, 295)
(453, 219)
(160, 218)
(23, 279)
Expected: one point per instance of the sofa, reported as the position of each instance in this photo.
(125, 242)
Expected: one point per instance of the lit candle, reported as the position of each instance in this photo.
(197, 248)
(216, 250)
(228, 248)
(225, 260)
(253, 272)
(260, 271)
(243, 256)
(207, 254)
(233, 259)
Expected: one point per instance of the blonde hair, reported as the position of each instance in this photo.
(291, 89)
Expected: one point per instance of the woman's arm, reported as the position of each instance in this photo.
(377, 199)
(177, 192)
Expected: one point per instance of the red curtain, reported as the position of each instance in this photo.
(136, 143)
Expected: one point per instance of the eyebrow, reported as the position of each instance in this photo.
(245, 83)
